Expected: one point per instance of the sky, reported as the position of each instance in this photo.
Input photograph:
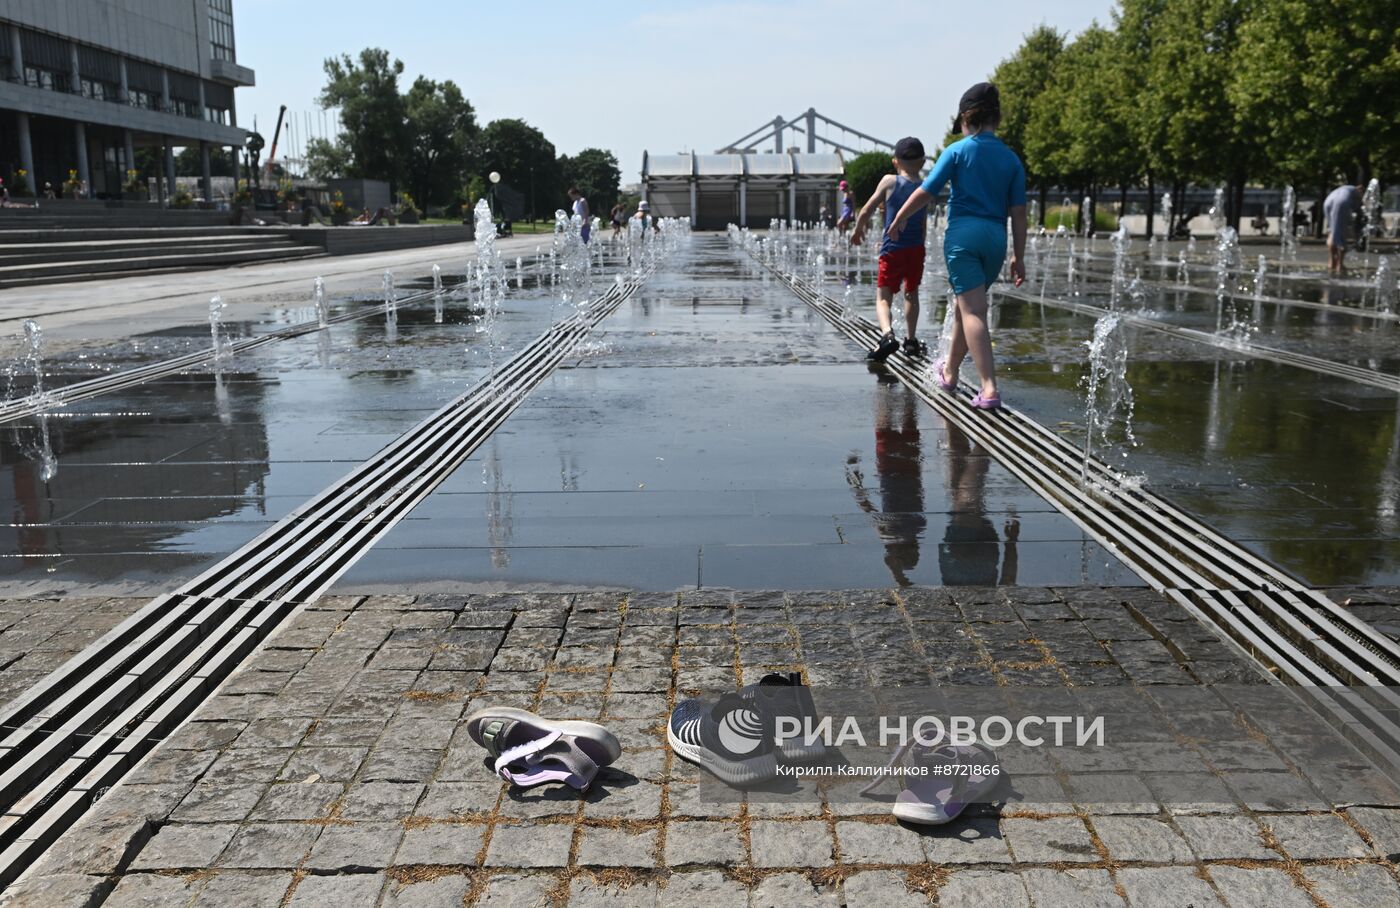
(663, 76)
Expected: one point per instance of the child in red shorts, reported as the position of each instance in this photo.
(901, 259)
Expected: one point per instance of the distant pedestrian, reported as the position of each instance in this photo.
(580, 209)
(618, 216)
(1339, 208)
(988, 184)
(644, 216)
(902, 253)
(848, 207)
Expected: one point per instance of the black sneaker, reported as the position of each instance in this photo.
(785, 696)
(887, 346)
(915, 347)
(730, 738)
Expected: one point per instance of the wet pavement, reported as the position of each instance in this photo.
(335, 767)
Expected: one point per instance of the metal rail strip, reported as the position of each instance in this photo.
(1285, 357)
(82, 727)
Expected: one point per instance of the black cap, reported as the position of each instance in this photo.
(983, 94)
(909, 149)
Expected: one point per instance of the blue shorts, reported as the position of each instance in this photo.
(974, 249)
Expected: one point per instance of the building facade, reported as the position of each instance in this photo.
(87, 82)
(748, 189)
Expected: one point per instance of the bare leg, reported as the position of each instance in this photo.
(883, 297)
(957, 349)
(972, 313)
(911, 312)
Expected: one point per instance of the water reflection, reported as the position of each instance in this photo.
(971, 553)
(899, 520)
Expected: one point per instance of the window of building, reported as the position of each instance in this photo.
(221, 29)
(184, 107)
(101, 91)
(216, 115)
(46, 79)
(142, 99)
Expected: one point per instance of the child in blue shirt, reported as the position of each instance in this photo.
(988, 184)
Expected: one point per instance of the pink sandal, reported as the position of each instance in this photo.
(987, 403)
(943, 385)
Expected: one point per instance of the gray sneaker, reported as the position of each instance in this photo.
(531, 750)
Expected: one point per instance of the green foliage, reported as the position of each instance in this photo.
(181, 199)
(373, 113)
(525, 160)
(442, 133)
(187, 162)
(326, 160)
(596, 174)
(19, 183)
(864, 172)
(1022, 80)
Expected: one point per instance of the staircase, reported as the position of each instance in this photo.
(37, 250)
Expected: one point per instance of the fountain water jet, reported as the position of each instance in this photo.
(1108, 396)
(216, 325)
(318, 293)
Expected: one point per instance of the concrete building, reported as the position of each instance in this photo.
(747, 189)
(90, 81)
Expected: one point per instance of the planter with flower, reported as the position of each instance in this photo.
(287, 198)
(134, 189)
(181, 199)
(406, 210)
(340, 212)
(19, 184)
(73, 187)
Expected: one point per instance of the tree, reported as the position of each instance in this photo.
(525, 160)
(373, 114)
(864, 172)
(596, 174)
(1022, 79)
(442, 133)
(326, 160)
(188, 164)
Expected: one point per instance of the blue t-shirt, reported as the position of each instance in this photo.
(986, 176)
(913, 233)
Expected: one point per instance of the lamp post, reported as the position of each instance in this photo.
(495, 178)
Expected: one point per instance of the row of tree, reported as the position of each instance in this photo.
(426, 141)
(1209, 92)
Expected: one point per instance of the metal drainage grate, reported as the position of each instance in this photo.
(81, 728)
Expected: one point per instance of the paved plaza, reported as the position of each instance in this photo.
(335, 768)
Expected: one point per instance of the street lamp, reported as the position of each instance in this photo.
(495, 178)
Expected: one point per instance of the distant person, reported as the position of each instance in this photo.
(4, 194)
(644, 215)
(988, 184)
(1339, 208)
(618, 216)
(901, 253)
(580, 209)
(48, 190)
(848, 207)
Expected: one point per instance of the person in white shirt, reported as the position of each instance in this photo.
(580, 209)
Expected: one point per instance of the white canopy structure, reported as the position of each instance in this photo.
(748, 189)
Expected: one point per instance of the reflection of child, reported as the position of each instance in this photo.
(902, 255)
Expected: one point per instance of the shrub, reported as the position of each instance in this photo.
(864, 171)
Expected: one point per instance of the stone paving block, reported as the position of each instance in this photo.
(588, 892)
(1167, 887)
(166, 766)
(185, 846)
(451, 800)
(1047, 841)
(246, 764)
(246, 889)
(702, 842)
(1308, 837)
(218, 803)
(1357, 886)
(521, 845)
(298, 801)
(47, 890)
(791, 890)
(1191, 792)
(1142, 839)
(1072, 889)
(553, 801)
(269, 846)
(611, 847)
(982, 888)
(394, 765)
(143, 890)
(99, 843)
(211, 735)
(517, 890)
(380, 800)
(343, 889)
(1225, 838)
(331, 764)
(441, 892)
(1383, 826)
(805, 843)
(638, 800)
(441, 843)
(1269, 791)
(357, 732)
(358, 848)
(702, 887)
(880, 889)
(967, 841)
(1259, 886)
(877, 843)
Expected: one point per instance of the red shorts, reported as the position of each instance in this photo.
(902, 267)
